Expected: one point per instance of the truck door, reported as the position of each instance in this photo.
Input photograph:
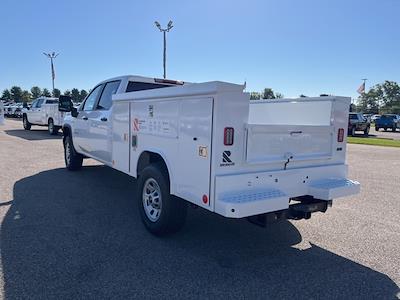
(100, 134)
(82, 124)
(194, 155)
(34, 116)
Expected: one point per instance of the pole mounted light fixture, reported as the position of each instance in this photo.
(52, 56)
(164, 31)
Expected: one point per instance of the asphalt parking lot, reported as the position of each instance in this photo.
(78, 235)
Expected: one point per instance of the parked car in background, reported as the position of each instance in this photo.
(386, 121)
(357, 122)
(368, 117)
(43, 112)
(375, 117)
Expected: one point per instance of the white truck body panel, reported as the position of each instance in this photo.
(281, 149)
(1, 113)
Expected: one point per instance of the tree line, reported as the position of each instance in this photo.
(381, 98)
(267, 93)
(17, 94)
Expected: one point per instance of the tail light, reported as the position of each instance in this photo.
(340, 135)
(228, 136)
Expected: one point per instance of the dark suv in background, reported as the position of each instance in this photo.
(388, 121)
(357, 122)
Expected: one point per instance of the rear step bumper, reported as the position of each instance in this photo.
(260, 193)
(296, 211)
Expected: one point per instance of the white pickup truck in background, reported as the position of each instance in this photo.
(208, 145)
(43, 112)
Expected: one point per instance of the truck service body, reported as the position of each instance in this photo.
(216, 149)
(43, 112)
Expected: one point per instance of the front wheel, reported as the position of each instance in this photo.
(366, 131)
(73, 160)
(161, 213)
(25, 122)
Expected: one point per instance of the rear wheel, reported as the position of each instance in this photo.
(376, 128)
(53, 130)
(25, 122)
(73, 160)
(161, 212)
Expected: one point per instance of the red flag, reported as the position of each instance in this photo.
(361, 89)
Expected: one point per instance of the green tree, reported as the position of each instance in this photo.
(16, 93)
(268, 93)
(83, 95)
(381, 98)
(67, 93)
(279, 96)
(26, 96)
(75, 95)
(255, 96)
(46, 93)
(56, 93)
(36, 92)
(6, 95)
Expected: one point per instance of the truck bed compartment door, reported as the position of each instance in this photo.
(120, 136)
(194, 155)
(279, 143)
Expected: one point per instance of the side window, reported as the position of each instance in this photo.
(39, 103)
(34, 103)
(109, 90)
(92, 98)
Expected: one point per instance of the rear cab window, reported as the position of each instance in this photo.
(134, 86)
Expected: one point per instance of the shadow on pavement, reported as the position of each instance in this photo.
(33, 134)
(78, 235)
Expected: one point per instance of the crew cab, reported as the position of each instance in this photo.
(391, 121)
(207, 145)
(43, 112)
(357, 122)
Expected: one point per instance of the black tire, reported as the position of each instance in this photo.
(74, 160)
(171, 217)
(366, 131)
(53, 130)
(353, 131)
(25, 122)
(394, 128)
(376, 128)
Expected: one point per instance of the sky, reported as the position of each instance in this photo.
(295, 47)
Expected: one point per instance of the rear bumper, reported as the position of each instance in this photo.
(243, 195)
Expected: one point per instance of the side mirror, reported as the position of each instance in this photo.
(65, 104)
(74, 112)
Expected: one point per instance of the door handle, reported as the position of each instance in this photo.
(104, 119)
(84, 118)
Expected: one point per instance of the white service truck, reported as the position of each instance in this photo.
(207, 144)
(43, 112)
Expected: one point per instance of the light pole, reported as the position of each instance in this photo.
(53, 73)
(164, 31)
